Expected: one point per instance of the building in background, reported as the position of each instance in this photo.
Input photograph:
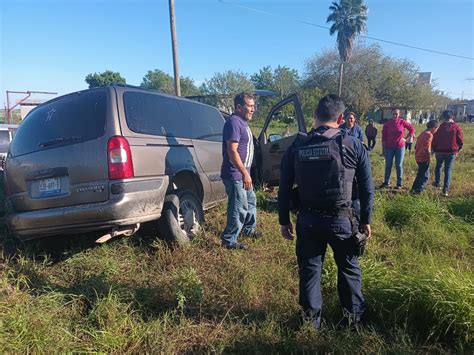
(425, 77)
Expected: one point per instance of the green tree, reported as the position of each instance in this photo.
(372, 80)
(224, 86)
(159, 80)
(108, 77)
(188, 87)
(310, 97)
(349, 20)
(263, 80)
(282, 80)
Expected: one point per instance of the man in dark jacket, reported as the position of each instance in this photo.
(447, 142)
(371, 134)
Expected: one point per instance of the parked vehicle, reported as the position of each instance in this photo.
(7, 132)
(112, 158)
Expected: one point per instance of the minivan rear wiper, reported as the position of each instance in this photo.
(60, 140)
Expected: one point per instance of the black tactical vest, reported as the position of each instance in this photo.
(324, 182)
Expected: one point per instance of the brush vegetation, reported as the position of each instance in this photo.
(65, 294)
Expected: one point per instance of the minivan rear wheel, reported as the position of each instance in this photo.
(182, 216)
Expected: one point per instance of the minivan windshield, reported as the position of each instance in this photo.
(73, 118)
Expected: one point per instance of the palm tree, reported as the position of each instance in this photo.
(349, 19)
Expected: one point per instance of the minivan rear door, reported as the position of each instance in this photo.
(58, 156)
(282, 125)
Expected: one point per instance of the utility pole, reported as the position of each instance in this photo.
(177, 86)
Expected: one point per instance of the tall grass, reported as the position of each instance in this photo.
(65, 294)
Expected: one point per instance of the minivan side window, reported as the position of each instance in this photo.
(155, 114)
(73, 118)
(206, 121)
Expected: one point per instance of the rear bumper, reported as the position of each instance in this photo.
(130, 202)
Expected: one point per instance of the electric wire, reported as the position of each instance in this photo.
(362, 36)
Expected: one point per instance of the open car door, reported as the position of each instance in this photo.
(282, 125)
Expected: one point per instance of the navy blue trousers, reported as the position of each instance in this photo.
(314, 233)
(422, 177)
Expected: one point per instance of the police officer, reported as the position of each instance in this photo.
(323, 165)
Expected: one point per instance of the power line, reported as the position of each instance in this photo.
(367, 37)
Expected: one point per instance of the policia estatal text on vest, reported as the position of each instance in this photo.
(323, 165)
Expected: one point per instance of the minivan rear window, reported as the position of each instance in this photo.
(155, 114)
(71, 119)
(206, 121)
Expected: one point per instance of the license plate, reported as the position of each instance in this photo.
(49, 186)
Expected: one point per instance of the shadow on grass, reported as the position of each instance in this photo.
(52, 248)
(59, 248)
(463, 208)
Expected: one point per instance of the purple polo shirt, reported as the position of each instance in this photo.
(236, 129)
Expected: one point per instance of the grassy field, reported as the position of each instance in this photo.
(136, 294)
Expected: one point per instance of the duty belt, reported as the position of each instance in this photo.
(342, 212)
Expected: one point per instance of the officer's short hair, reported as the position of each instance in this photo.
(329, 108)
(432, 124)
(240, 98)
(447, 115)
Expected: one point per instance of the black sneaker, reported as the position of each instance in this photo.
(399, 187)
(254, 235)
(352, 321)
(312, 317)
(235, 246)
(445, 193)
(384, 186)
(435, 185)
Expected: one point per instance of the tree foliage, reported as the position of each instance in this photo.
(349, 20)
(224, 86)
(159, 80)
(372, 80)
(108, 77)
(282, 80)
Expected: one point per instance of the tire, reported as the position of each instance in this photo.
(182, 217)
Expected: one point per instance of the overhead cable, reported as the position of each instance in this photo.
(362, 36)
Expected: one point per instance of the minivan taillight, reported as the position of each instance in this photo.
(120, 158)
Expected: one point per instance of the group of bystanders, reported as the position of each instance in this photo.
(331, 168)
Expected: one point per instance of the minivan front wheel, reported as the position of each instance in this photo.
(182, 216)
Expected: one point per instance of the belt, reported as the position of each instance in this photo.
(342, 212)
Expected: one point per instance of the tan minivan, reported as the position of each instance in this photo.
(111, 158)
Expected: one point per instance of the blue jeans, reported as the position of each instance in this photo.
(448, 160)
(398, 154)
(241, 211)
(422, 177)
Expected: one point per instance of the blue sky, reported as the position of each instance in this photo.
(51, 45)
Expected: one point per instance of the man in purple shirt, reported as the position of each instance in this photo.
(237, 153)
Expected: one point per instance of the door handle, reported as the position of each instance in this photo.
(274, 148)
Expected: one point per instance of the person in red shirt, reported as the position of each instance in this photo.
(393, 145)
(447, 142)
(422, 156)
